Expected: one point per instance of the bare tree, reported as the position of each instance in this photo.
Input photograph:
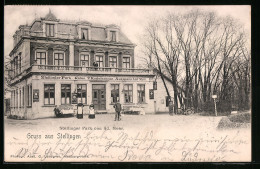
(200, 52)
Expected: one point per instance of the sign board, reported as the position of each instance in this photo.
(91, 78)
(155, 85)
(74, 98)
(151, 94)
(35, 95)
(214, 96)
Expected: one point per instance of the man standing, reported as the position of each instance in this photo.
(118, 108)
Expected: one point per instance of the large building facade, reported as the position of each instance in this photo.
(53, 60)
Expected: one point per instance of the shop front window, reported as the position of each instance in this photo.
(65, 93)
(128, 93)
(82, 93)
(141, 93)
(49, 94)
(114, 93)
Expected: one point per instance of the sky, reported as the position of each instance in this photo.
(131, 19)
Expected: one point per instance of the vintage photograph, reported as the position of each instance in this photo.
(127, 83)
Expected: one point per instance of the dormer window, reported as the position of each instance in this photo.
(50, 30)
(84, 34)
(113, 35)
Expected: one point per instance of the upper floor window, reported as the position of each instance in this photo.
(112, 61)
(126, 62)
(59, 59)
(99, 60)
(113, 35)
(20, 62)
(50, 30)
(84, 34)
(84, 60)
(41, 58)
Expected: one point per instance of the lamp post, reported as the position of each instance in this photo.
(214, 98)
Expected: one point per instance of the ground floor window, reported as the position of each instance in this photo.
(49, 94)
(82, 93)
(141, 93)
(16, 98)
(23, 97)
(128, 93)
(29, 99)
(20, 98)
(65, 93)
(114, 93)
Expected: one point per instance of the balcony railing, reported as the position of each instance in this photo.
(79, 70)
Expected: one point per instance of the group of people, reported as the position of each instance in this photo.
(118, 109)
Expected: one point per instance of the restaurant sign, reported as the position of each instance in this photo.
(102, 78)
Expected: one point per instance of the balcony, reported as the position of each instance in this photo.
(81, 70)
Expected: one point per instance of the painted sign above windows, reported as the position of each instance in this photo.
(91, 78)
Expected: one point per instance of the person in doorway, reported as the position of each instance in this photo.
(118, 109)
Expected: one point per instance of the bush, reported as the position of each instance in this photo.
(224, 108)
(234, 121)
(240, 118)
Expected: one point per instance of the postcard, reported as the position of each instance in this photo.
(127, 83)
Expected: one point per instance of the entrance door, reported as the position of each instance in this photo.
(99, 97)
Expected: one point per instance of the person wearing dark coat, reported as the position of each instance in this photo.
(118, 109)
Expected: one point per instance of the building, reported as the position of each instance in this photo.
(52, 60)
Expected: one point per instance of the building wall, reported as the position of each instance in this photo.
(160, 95)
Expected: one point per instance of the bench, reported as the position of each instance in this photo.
(134, 110)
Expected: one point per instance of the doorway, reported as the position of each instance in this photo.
(99, 96)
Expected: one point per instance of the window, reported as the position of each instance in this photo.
(82, 93)
(65, 94)
(141, 93)
(84, 34)
(12, 68)
(20, 63)
(50, 30)
(30, 95)
(23, 97)
(113, 35)
(59, 59)
(49, 94)
(99, 60)
(15, 65)
(84, 60)
(114, 93)
(128, 93)
(41, 58)
(20, 98)
(126, 62)
(16, 98)
(112, 61)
